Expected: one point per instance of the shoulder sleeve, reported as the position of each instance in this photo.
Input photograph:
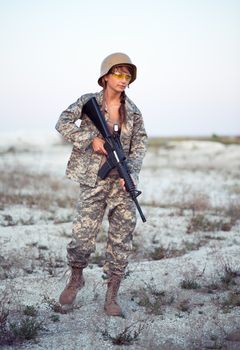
(138, 145)
(67, 127)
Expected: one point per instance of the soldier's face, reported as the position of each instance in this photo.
(118, 79)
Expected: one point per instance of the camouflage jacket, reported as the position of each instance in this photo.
(84, 163)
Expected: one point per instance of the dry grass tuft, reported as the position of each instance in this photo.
(19, 187)
(127, 336)
(153, 300)
(17, 326)
(189, 284)
(203, 224)
(54, 305)
(32, 259)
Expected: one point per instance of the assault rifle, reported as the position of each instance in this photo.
(115, 154)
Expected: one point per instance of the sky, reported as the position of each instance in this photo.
(187, 53)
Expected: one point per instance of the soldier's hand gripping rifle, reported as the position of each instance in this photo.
(115, 154)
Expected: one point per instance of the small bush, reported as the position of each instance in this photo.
(54, 305)
(233, 211)
(189, 284)
(152, 299)
(51, 263)
(194, 201)
(201, 223)
(30, 310)
(26, 329)
(158, 253)
(127, 336)
(165, 253)
(55, 318)
(229, 275)
(16, 327)
(183, 305)
(233, 300)
(152, 305)
(21, 187)
(212, 287)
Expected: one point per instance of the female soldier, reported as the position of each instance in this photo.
(88, 155)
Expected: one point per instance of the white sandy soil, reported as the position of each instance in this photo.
(180, 181)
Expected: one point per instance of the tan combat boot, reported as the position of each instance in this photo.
(111, 306)
(76, 282)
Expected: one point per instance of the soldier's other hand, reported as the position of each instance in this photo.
(122, 184)
(98, 145)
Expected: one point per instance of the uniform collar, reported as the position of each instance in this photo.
(128, 104)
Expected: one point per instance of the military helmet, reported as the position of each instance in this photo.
(116, 59)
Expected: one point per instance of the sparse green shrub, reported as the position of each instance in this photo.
(26, 329)
(198, 202)
(233, 300)
(217, 238)
(229, 275)
(30, 310)
(152, 299)
(152, 288)
(183, 305)
(140, 296)
(152, 305)
(194, 201)
(171, 252)
(16, 327)
(55, 318)
(54, 305)
(18, 185)
(233, 212)
(158, 253)
(190, 246)
(12, 264)
(212, 287)
(51, 263)
(127, 336)
(28, 261)
(225, 280)
(201, 223)
(189, 284)
(164, 253)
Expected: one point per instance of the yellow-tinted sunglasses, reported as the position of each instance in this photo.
(120, 76)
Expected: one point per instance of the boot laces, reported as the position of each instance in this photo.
(74, 277)
(114, 285)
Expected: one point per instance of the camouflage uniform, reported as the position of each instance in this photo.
(96, 194)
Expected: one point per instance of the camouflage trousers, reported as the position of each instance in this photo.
(91, 207)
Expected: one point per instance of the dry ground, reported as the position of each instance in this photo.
(182, 286)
